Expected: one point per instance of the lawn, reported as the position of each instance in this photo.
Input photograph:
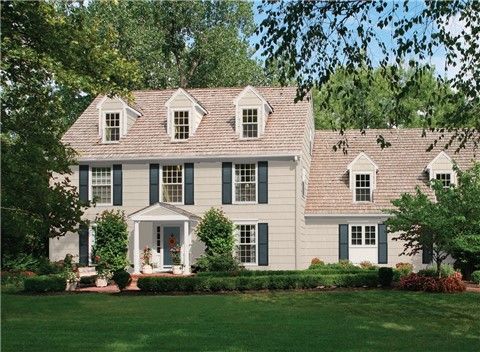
(284, 321)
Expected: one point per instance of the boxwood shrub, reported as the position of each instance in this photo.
(45, 283)
(320, 270)
(476, 277)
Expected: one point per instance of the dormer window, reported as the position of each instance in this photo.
(181, 124)
(363, 189)
(445, 179)
(362, 171)
(250, 123)
(112, 127)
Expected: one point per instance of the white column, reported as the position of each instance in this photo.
(186, 248)
(136, 247)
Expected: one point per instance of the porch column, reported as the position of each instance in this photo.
(136, 247)
(186, 247)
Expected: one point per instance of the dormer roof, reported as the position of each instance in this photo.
(135, 111)
(194, 101)
(442, 155)
(256, 93)
(360, 156)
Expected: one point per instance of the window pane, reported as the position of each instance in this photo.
(172, 179)
(112, 126)
(362, 188)
(445, 179)
(247, 243)
(370, 235)
(356, 237)
(250, 123)
(245, 183)
(101, 185)
(181, 125)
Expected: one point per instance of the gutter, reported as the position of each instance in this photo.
(344, 215)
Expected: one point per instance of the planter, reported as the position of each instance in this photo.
(71, 286)
(147, 269)
(177, 270)
(101, 281)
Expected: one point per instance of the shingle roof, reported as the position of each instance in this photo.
(215, 135)
(400, 168)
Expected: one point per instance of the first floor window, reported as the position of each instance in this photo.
(102, 185)
(159, 239)
(362, 188)
(363, 235)
(172, 184)
(245, 183)
(356, 236)
(247, 243)
(250, 123)
(445, 179)
(181, 125)
(112, 126)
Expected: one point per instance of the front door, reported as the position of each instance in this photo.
(171, 237)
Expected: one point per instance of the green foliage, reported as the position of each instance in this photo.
(446, 270)
(217, 263)
(475, 277)
(88, 280)
(316, 270)
(122, 278)
(45, 283)
(385, 276)
(402, 270)
(215, 230)
(111, 241)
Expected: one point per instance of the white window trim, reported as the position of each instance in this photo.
(172, 123)
(354, 188)
(90, 186)
(104, 125)
(453, 178)
(161, 184)
(91, 242)
(234, 198)
(237, 223)
(259, 119)
(363, 245)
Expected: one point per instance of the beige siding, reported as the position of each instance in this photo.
(363, 165)
(442, 163)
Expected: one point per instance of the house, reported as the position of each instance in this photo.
(170, 155)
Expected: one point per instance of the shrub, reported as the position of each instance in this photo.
(217, 262)
(88, 280)
(446, 270)
(340, 266)
(319, 270)
(216, 231)
(122, 278)
(45, 283)
(476, 277)
(316, 261)
(415, 282)
(366, 265)
(385, 276)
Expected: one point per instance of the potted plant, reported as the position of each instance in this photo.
(102, 273)
(72, 281)
(175, 252)
(147, 257)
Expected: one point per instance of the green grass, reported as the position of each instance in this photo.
(371, 320)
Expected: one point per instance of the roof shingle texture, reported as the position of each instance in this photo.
(401, 167)
(215, 136)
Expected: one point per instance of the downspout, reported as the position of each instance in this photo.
(296, 158)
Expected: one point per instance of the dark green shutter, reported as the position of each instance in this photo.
(117, 185)
(427, 255)
(263, 244)
(83, 183)
(226, 183)
(263, 182)
(343, 242)
(83, 245)
(154, 183)
(189, 184)
(382, 244)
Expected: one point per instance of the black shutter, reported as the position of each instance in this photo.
(189, 184)
(382, 244)
(427, 255)
(154, 183)
(226, 183)
(263, 182)
(263, 244)
(343, 242)
(117, 185)
(83, 245)
(83, 183)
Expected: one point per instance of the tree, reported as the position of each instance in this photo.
(50, 59)
(311, 39)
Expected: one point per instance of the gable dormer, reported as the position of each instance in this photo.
(441, 168)
(184, 114)
(251, 113)
(115, 117)
(363, 177)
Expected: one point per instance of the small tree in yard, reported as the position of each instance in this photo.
(111, 240)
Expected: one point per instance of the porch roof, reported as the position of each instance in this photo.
(162, 211)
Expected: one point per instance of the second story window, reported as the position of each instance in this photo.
(363, 189)
(112, 127)
(245, 184)
(250, 123)
(102, 185)
(172, 184)
(445, 179)
(181, 125)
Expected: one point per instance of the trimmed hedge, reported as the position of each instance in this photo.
(45, 283)
(322, 271)
(205, 283)
(476, 277)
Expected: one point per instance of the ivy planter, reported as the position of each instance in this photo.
(101, 281)
(177, 270)
(71, 286)
(147, 269)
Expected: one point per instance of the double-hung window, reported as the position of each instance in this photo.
(181, 125)
(172, 183)
(363, 235)
(445, 179)
(102, 185)
(250, 123)
(112, 127)
(363, 188)
(245, 183)
(247, 243)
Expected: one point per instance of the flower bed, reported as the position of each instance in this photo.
(416, 282)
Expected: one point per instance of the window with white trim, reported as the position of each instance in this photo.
(181, 125)
(444, 178)
(172, 183)
(247, 243)
(112, 127)
(363, 235)
(363, 188)
(102, 185)
(250, 123)
(245, 183)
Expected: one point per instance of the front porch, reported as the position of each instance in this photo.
(162, 226)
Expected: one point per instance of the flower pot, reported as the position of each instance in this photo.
(147, 269)
(101, 281)
(71, 286)
(177, 270)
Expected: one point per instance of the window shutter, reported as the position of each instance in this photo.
(83, 245)
(382, 244)
(117, 185)
(263, 244)
(343, 242)
(189, 184)
(427, 255)
(154, 183)
(263, 182)
(83, 183)
(226, 183)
